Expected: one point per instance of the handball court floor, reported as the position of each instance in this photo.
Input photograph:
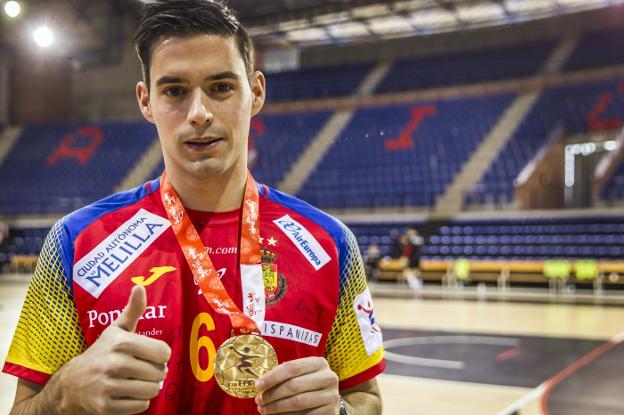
(449, 357)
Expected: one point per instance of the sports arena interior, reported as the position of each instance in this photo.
(494, 128)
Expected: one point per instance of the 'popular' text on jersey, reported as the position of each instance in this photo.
(317, 300)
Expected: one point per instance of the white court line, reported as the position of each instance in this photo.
(421, 361)
(446, 364)
(523, 401)
(618, 338)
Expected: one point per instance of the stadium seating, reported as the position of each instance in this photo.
(22, 243)
(572, 106)
(26, 241)
(596, 50)
(529, 239)
(333, 81)
(59, 167)
(486, 65)
(401, 155)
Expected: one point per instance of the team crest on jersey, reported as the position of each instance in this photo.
(274, 284)
(369, 329)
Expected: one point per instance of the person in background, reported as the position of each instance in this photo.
(371, 261)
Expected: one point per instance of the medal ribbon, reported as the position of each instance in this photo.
(205, 273)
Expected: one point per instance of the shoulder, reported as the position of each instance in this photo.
(293, 206)
(74, 224)
(80, 219)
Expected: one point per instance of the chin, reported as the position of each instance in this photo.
(208, 168)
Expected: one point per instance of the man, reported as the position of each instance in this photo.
(134, 295)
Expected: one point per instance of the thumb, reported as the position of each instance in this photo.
(137, 302)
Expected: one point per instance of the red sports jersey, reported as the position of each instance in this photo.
(317, 300)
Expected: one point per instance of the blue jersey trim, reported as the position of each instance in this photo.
(76, 222)
(335, 228)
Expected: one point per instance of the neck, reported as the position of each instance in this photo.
(215, 193)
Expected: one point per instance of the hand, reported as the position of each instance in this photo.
(303, 386)
(120, 372)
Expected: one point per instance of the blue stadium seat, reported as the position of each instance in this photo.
(381, 161)
(57, 168)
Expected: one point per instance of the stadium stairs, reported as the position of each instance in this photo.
(8, 138)
(142, 171)
(309, 159)
(451, 202)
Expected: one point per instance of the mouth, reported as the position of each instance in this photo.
(203, 143)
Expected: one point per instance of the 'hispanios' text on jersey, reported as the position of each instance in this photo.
(317, 300)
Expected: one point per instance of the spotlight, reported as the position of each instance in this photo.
(12, 8)
(43, 37)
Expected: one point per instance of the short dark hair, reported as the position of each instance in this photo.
(182, 18)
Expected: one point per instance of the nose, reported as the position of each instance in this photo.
(198, 113)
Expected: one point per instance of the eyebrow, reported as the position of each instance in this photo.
(217, 77)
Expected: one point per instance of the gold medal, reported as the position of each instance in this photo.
(240, 361)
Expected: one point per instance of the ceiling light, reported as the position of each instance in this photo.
(12, 8)
(43, 36)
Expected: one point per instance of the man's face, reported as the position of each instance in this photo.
(201, 101)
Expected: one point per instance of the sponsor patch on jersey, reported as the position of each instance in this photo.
(105, 318)
(291, 332)
(99, 268)
(155, 274)
(369, 329)
(304, 241)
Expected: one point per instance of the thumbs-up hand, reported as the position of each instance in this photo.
(120, 372)
(133, 311)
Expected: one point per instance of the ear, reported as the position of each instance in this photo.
(142, 95)
(258, 90)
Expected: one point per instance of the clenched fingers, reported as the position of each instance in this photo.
(288, 370)
(125, 406)
(126, 367)
(303, 402)
(323, 379)
(134, 389)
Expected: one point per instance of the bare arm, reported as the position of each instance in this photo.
(118, 374)
(30, 400)
(364, 399)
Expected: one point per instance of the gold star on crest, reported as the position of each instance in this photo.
(272, 241)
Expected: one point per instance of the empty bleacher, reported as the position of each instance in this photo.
(469, 67)
(315, 83)
(592, 106)
(58, 168)
(529, 239)
(596, 50)
(401, 155)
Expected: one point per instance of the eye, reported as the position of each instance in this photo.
(223, 88)
(173, 91)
